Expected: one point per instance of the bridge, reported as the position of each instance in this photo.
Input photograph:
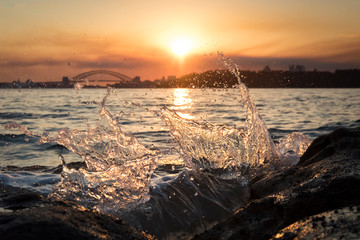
(100, 77)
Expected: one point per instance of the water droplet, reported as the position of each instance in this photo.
(78, 86)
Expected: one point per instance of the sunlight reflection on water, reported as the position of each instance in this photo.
(181, 100)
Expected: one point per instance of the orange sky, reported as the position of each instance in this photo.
(45, 40)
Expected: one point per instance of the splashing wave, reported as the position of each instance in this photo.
(118, 166)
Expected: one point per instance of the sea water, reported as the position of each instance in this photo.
(312, 112)
(179, 157)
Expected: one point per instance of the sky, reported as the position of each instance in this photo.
(44, 40)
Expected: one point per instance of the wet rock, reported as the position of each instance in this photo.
(29, 215)
(336, 224)
(63, 221)
(340, 142)
(14, 198)
(326, 178)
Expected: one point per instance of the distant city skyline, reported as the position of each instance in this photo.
(295, 77)
(45, 40)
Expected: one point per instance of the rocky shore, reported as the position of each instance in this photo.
(318, 198)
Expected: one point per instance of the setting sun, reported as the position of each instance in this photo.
(181, 46)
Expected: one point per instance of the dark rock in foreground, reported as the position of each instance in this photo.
(336, 224)
(318, 198)
(58, 220)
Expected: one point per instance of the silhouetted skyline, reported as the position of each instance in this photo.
(295, 77)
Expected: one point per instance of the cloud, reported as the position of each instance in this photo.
(44, 42)
(31, 63)
(340, 49)
(119, 62)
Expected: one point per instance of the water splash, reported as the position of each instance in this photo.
(228, 149)
(118, 166)
(22, 129)
(44, 137)
(293, 146)
(78, 86)
(119, 187)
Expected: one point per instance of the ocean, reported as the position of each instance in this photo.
(137, 148)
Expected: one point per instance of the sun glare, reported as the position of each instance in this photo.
(181, 46)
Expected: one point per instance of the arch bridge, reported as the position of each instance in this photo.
(84, 77)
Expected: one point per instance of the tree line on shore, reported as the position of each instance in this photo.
(268, 79)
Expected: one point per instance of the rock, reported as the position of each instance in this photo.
(40, 219)
(326, 178)
(336, 224)
(341, 142)
(14, 198)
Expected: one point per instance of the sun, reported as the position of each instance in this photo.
(181, 46)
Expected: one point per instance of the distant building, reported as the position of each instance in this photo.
(65, 81)
(266, 69)
(27, 84)
(296, 68)
(136, 79)
(171, 78)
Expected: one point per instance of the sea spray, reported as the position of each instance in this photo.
(22, 129)
(206, 146)
(118, 166)
(293, 146)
